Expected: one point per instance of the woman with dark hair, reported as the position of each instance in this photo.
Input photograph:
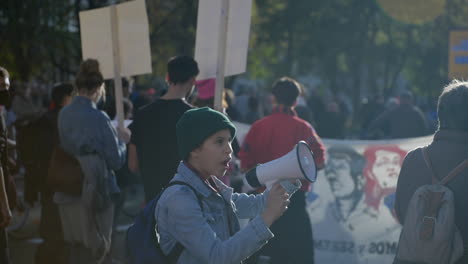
(87, 134)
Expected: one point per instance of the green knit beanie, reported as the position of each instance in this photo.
(198, 124)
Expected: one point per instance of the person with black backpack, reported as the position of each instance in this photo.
(431, 191)
(200, 222)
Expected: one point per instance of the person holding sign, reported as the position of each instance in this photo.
(87, 134)
(202, 218)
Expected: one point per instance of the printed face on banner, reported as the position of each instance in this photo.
(381, 173)
(351, 205)
(339, 176)
(343, 171)
(386, 168)
(351, 211)
(382, 169)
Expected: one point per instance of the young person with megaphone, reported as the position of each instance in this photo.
(201, 219)
(273, 142)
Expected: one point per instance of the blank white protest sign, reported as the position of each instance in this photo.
(96, 39)
(207, 40)
(133, 36)
(118, 37)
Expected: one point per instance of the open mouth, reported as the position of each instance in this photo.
(226, 162)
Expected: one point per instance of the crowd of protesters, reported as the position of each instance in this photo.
(36, 120)
(332, 116)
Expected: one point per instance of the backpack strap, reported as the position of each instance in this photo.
(178, 247)
(429, 165)
(455, 172)
(188, 185)
(452, 174)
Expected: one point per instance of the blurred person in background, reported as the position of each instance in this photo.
(87, 134)
(333, 122)
(142, 96)
(402, 121)
(253, 114)
(42, 139)
(370, 108)
(7, 184)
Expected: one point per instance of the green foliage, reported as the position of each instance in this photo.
(41, 38)
(353, 46)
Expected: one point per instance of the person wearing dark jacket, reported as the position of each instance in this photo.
(403, 121)
(45, 138)
(448, 149)
(7, 185)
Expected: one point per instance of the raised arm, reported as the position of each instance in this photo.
(249, 206)
(113, 149)
(188, 225)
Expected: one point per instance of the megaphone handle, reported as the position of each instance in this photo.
(290, 187)
(269, 184)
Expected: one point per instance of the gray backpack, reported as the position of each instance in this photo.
(429, 234)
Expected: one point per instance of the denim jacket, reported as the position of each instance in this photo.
(211, 234)
(83, 130)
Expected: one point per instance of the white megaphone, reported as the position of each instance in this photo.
(297, 164)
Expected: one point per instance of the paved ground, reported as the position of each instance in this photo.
(24, 237)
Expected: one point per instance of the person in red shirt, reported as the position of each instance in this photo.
(270, 138)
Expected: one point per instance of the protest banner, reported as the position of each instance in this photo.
(351, 205)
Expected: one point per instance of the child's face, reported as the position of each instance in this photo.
(214, 155)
